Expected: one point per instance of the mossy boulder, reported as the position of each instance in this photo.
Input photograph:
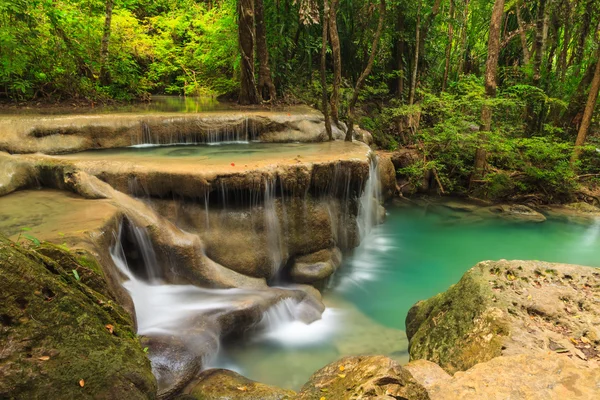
(218, 384)
(507, 308)
(63, 339)
(364, 377)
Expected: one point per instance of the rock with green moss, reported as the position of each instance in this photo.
(508, 308)
(363, 377)
(219, 384)
(61, 336)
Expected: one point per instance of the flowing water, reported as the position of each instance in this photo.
(413, 256)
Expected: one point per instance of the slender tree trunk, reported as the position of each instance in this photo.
(337, 62)
(589, 107)
(523, 35)
(325, 102)
(248, 91)
(104, 74)
(266, 88)
(584, 32)
(491, 71)
(415, 70)
(540, 39)
(435, 10)
(365, 74)
(463, 40)
(562, 59)
(448, 46)
(401, 71)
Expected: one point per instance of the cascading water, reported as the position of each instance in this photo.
(370, 201)
(272, 226)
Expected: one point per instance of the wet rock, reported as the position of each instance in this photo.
(14, 174)
(316, 267)
(363, 135)
(387, 175)
(364, 377)
(72, 133)
(517, 213)
(62, 338)
(523, 377)
(507, 308)
(427, 373)
(218, 384)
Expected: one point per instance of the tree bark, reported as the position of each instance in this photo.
(491, 71)
(463, 41)
(266, 88)
(435, 10)
(363, 77)
(104, 73)
(523, 35)
(248, 91)
(562, 59)
(448, 46)
(401, 44)
(577, 57)
(540, 39)
(589, 110)
(415, 70)
(325, 99)
(337, 62)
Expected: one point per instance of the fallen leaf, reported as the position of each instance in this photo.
(110, 328)
(44, 358)
(323, 398)
(342, 368)
(573, 341)
(342, 375)
(233, 164)
(243, 388)
(562, 350)
(585, 340)
(81, 383)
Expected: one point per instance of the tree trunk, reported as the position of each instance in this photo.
(562, 59)
(337, 62)
(266, 88)
(491, 70)
(523, 35)
(589, 110)
(577, 57)
(325, 102)
(415, 70)
(463, 41)
(448, 47)
(248, 92)
(401, 72)
(540, 39)
(365, 74)
(435, 10)
(104, 74)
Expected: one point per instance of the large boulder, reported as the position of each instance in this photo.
(62, 337)
(219, 384)
(509, 308)
(363, 377)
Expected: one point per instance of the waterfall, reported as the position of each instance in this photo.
(370, 201)
(272, 225)
(138, 260)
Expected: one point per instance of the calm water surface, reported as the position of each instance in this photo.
(412, 256)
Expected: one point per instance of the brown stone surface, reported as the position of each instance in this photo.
(521, 377)
(363, 377)
(510, 308)
(219, 384)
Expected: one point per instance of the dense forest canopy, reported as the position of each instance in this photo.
(493, 93)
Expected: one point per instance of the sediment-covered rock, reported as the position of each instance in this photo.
(71, 133)
(62, 337)
(218, 384)
(316, 267)
(363, 377)
(509, 308)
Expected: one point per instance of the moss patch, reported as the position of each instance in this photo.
(56, 331)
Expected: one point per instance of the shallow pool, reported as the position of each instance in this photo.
(413, 256)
